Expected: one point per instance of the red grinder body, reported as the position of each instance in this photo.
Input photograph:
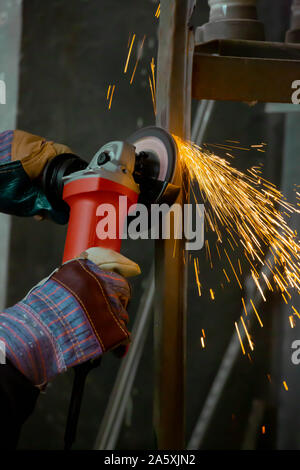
(85, 196)
(100, 198)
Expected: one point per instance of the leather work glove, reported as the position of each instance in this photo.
(23, 157)
(76, 314)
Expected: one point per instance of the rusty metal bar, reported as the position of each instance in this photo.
(176, 47)
(245, 71)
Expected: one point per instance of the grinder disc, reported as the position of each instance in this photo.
(156, 165)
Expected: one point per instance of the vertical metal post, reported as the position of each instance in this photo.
(10, 35)
(175, 54)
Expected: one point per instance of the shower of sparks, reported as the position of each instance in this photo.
(138, 59)
(152, 84)
(250, 209)
(157, 13)
(129, 54)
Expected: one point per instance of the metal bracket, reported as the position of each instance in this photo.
(246, 71)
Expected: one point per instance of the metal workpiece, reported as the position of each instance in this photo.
(174, 78)
(293, 35)
(248, 71)
(231, 19)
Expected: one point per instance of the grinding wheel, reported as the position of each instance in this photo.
(156, 165)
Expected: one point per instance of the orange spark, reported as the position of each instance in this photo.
(111, 96)
(292, 321)
(138, 59)
(129, 53)
(239, 336)
(256, 313)
(244, 305)
(247, 334)
(157, 13)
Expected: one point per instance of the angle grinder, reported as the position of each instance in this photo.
(142, 169)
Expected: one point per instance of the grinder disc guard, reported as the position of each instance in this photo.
(156, 165)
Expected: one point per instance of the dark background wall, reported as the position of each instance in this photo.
(71, 52)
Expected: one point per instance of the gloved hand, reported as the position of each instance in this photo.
(76, 314)
(22, 159)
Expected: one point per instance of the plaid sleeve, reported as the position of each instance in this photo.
(50, 331)
(6, 139)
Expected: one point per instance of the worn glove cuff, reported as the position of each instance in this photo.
(87, 288)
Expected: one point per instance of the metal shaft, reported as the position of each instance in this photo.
(175, 54)
(232, 9)
(231, 19)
